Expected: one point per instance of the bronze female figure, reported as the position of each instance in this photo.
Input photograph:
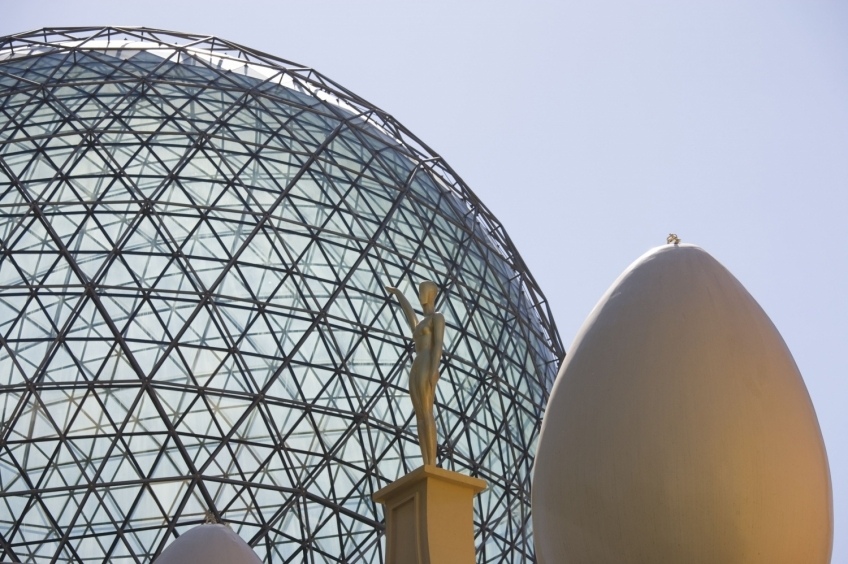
(428, 337)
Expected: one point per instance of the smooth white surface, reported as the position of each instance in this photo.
(679, 430)
(208, 544)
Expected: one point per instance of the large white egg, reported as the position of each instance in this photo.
(679, 430)
(210, 543)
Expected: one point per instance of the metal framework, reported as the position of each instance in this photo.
(194, 240)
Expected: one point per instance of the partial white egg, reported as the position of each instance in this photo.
(208, 543)
(679, 430)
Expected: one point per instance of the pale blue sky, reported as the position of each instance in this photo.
(593, 129)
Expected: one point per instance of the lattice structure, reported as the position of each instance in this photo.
(194, 240)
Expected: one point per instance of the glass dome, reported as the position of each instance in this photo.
(194, 243)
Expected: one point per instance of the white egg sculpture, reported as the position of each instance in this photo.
(208, 543)
(679, 430)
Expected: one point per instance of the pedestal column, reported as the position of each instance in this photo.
(429, 517)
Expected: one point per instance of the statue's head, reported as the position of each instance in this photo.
(427, 292)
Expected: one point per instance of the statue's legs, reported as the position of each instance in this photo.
(423, 395)
(428, 435)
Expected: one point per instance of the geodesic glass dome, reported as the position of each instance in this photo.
(194, 243)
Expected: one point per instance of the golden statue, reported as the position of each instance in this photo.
(428, 336)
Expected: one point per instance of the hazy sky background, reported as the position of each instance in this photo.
(592, 129)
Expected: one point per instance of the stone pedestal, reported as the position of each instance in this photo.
(429, 517)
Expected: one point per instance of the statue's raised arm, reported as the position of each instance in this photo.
(411, 318)
(428, 337)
